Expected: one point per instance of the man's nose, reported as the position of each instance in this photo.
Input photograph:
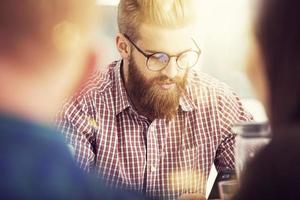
(171, 70)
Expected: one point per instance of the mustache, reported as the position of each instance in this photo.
(166, 80)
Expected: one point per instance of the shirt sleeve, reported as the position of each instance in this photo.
(76, 121)
(230, 111)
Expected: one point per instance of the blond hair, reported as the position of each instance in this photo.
(46, 25)
(165, 13)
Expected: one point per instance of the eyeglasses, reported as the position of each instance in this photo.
(159, 60)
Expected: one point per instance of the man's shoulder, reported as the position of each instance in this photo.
(206, 91)
(101, 80)
(25, 136)
(201, 82)
(35, 154)
(98, 91)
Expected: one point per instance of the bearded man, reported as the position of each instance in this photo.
(150, 122)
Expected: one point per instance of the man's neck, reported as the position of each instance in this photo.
(141, 111)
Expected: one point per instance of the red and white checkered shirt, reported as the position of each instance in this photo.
(159, 158)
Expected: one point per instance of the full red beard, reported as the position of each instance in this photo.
(150, 97)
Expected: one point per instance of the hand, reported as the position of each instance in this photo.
(192, 196)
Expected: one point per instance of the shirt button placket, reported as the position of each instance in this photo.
(153, 168)
(152, 148)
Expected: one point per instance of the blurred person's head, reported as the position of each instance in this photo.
(44, 52)
(152, 34)
(276, 54)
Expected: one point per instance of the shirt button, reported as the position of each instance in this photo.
(153, 168)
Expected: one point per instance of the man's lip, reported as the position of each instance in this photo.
(168, 85)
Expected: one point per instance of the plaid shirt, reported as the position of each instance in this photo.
(159, 158)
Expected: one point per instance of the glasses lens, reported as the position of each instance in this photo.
(158, 61)
(187, 59)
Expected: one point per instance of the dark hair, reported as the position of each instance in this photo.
(278, 34)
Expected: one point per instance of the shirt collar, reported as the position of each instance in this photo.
(186, 103)
(122, 99)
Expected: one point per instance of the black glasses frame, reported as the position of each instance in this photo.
(170, 56)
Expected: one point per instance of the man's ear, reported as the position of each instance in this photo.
(123, 46)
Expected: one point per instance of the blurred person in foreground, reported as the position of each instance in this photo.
(151, 122)
(275, 73)
(44, 53)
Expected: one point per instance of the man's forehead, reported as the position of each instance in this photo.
(169, 40)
